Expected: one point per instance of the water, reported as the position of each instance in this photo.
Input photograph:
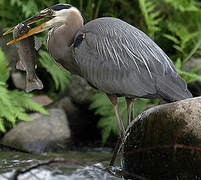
(71, 166)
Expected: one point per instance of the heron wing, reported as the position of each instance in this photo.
(118, 58)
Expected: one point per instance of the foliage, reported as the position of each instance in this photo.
(13, 103)
(185, 37)
(103, 107)
(188, 76)
(151, 15)
(183, 5)
(173, 24)
(60, 77)
(184, 34)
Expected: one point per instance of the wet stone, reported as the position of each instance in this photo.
(79, 90)
(45, 133)
(164, 142)
(19, 80)
(43, 100)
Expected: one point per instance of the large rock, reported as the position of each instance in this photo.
(42, 99)
(82, 122)
(44, 133)
(164, 142)
(79, 90)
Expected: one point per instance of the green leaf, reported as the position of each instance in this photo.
(13, 103)
(29, 8)
(193, 51)
(4, 69)
(172, 38)
(26, 101)
(60, 76)
(182, 36)
(195, 69)
(183, 5)
(178, 63)
(151, 15)
(104, 108)
(189, 77)
(2, 127)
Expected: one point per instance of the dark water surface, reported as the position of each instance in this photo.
(69, 166)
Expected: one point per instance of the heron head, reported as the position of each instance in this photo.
(56, 15)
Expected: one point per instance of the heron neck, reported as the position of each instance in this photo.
(60, 40)
(66, 33)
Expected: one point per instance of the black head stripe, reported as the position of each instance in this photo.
(78, 40)
(59, 7)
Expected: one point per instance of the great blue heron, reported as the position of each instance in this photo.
(111, 55)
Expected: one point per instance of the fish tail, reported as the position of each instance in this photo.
(33, 83)
(20, 66)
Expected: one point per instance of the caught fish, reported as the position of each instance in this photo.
(26, 49)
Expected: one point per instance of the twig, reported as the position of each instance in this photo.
(7, 147)
(20, 172)
(4, 176)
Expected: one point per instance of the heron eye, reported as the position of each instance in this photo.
(50, 12)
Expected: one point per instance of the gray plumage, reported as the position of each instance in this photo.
(119, 59)
(111, 55)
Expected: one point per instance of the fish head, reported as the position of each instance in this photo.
(20, 30)
(56, 16)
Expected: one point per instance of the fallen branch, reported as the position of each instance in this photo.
(18, 172)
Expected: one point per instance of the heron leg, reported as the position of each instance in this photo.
(113, 100)
(130, 102)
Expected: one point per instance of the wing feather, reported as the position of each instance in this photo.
(120, 59)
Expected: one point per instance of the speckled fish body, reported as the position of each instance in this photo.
(27, 54)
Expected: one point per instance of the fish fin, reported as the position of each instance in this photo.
(20, 66)
(37, 43)
(34, 83)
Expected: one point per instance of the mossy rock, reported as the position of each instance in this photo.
(164, 142)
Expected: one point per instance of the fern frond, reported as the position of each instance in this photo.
(181, 36)
(28, 7)
(195, 69)
(60, 77)
(24, 100)
(178, 63)
(103, 107)
(108, 125)
(151, 15)
(2, 127)
(193, 51)
(22, 115)
(172, 38)
(108, 122)
(183, 5)
(13, 104)
(188, 76)
(4, 68)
